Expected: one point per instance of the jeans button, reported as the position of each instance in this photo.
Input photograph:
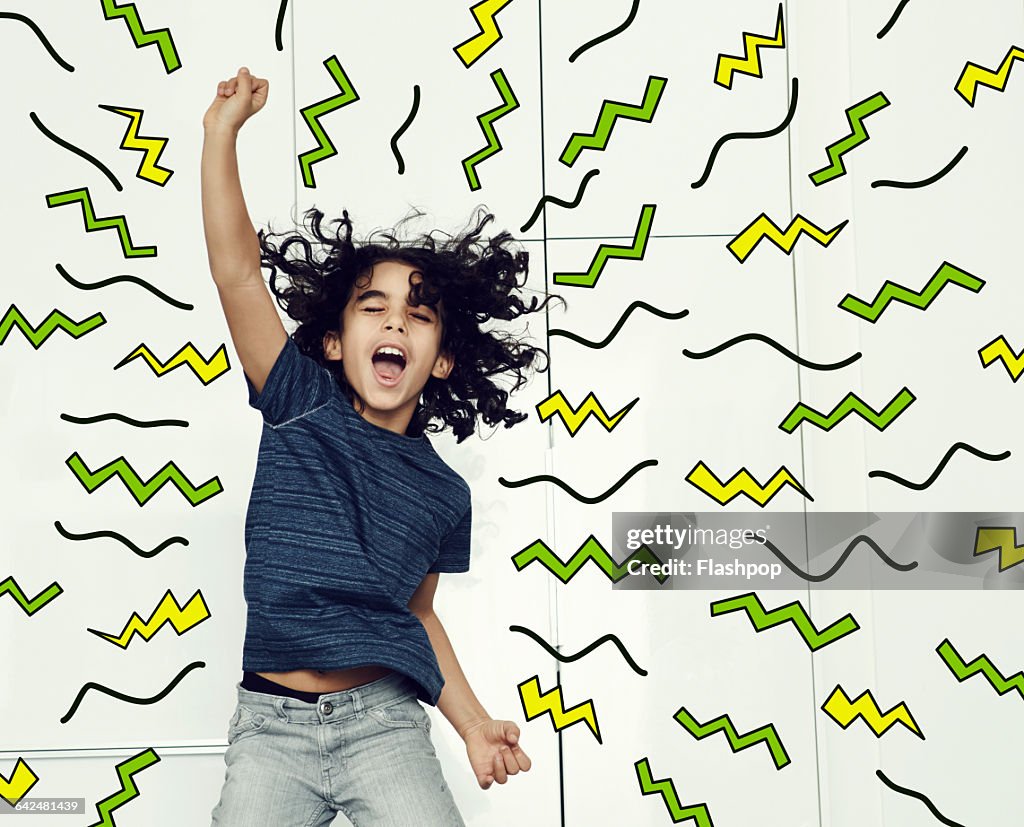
(326, 707)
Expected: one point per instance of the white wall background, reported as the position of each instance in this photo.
(723, 411)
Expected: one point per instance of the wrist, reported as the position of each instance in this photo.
(472, 725)
(219, 130)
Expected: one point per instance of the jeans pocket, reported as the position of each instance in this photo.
(407, 712)
(245, 722)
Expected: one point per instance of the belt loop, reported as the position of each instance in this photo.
(357, 703)
(279, 705)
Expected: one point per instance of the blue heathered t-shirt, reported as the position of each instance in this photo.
(344, 521)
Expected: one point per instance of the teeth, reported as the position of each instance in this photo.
(394, 350)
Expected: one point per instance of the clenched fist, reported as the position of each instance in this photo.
(237, 100)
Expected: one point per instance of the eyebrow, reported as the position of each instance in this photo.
(371, 294)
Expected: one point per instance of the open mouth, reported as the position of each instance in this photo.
(388, 366)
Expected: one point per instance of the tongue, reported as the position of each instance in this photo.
(387, 368)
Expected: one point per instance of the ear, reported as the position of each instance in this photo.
(443, 365)
(332, 345)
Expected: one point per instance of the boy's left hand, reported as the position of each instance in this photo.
(494, 751)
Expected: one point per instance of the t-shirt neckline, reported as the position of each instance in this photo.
(384, 434)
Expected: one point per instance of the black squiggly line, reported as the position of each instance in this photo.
(93, 535)
(921, 486)
(892, 20)
(280, 25)
(849, 360)
(608, 35)
(585, 651)
(571, 491)
(80, 152)
(557, 331)
(42, 37)
(920, 797)
(817, 578)
(730, 136)
(198, 664)
(405, 126)
(910, 185)
(138, 423)
(569, 205)
(114, 279)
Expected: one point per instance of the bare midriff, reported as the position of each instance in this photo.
(328, 680)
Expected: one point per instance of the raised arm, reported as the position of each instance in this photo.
(231, 243)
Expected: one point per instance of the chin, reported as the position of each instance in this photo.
(384, 399)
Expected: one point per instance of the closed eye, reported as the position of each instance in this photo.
(381, 310)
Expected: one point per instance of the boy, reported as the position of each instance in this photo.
(353, 514)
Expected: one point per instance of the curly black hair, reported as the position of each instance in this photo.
(474, 280)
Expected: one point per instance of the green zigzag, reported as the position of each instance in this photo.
(10, 586)
(92, 223)
(125, 772)
(325, 148)
(608, 251)
(767, 735)
(140, 490)
(590, 550)
(162, 37)
(891, 292)
(854, 116)
(648, 786)
(982, 664)
(851, 403)
(792, 613)
(55, 321)
(611, 111)
(486, 121)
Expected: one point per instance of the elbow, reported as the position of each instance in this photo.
(423, 613)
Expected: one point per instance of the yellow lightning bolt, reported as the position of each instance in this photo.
(764, 227)
(535, 704)
(750, 63)
(22, 780)
(167, 611)
(973, 74)
(151, 147)
(471, 50)
(1000, 349)
(207, 371)
(742, 483)
(574, 418)
(1003, 540)
(844, 711)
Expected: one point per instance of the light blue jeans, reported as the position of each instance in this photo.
(365, 752)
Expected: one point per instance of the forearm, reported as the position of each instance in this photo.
(457, 703)
(232, 245)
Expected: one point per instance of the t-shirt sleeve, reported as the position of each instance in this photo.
(295, 386)
(454, 554)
